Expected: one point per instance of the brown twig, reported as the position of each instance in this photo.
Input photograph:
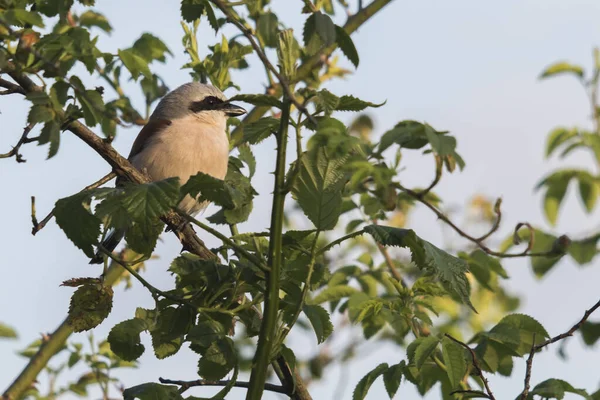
(39, 226)
(475, 365)
(536, 347)
(185, 385)
(477, 241)
(10, 88)
(498, 212)
(14, 152)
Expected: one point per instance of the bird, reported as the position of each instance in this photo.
(186, 134)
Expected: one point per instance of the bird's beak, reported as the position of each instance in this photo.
(231, 110)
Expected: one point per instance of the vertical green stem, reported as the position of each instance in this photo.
(262, 357)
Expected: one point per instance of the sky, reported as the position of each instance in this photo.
(467, 66)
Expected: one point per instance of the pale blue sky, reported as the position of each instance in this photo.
(468, 66)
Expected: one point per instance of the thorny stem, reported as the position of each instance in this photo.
(339, 241)
(262, 356)
(24, 139)
(537, 347)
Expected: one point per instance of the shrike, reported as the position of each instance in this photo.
(185, 134)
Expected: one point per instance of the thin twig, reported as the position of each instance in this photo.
(475, 365)
(10, 87)
(203, 382)
(39, 226)
(477, 241)
(263, 57)
(536, 347)
(24, 139)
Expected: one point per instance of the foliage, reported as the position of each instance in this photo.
(311, 276)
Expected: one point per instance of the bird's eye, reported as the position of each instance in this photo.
(211, 100)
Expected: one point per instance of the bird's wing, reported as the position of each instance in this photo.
(152, 128)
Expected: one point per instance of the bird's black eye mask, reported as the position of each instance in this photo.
(214, 103)
(207, 103)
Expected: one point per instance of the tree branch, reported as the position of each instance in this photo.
(14, 152)
(203, 382)
(536, 347)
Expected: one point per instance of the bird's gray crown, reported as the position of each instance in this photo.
(177, 102)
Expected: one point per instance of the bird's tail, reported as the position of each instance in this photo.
(111, 241)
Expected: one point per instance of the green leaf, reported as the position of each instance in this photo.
(21, 17)
(40, 113)
(453, 355)
(351, 103)
(558, 137)
(258, 100)
(151, 48)
(217, 360)
(211, 189)
(333, 293)
(288, 52)
(152, 391)
(319, 319)
(243, 196)
(346, 45)
(151, 200)
(406, 134)
(583, 251)
(318, 187)
(392, 378)
(192, 10)
(562, 67)
(206, 332)
(425, 349)
(556, 389)
(267, 26)
(135, 63)
(124, 339)
(326, 101)
(451, 271)
(247, 157)
(484, 268)
(7, 332)
(50, 134)
(588, 190)
(443, 145)
(257, 131)
(90, 305)
(556, 187)
(363, 386)
(92, 18)
(142, 236)
(171, 326)
(325, 28)
(80, 226)
(92, 106)
(590, 332)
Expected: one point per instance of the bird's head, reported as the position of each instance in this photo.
(199, 100)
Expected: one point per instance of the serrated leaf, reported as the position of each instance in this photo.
(562, 67)
(556, 389)
(258, 100)
(392, 378)
(151, 48)
(407, 134)
(333, 293)
(288, 52)
(319, 319)
(141, 236)
(152, 391)
(50, 134)
(451, 271)
(258, 131)
(346, 45)
(425, 349)
(363, 386)
(90, 305)
(192, 10)
(217, 360)
(151, 200)
(326, 101)
(526, 323)
(454, 360)
(135, 63)
(172, 324)
(318, 187)
(124, 339)
(351, 103)
(266, 29)
(40, 113)
(206, 332)
(247, 157)
(211, 189)
(80, 226)
(92, 106)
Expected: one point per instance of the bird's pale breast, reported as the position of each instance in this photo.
(183, 149)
